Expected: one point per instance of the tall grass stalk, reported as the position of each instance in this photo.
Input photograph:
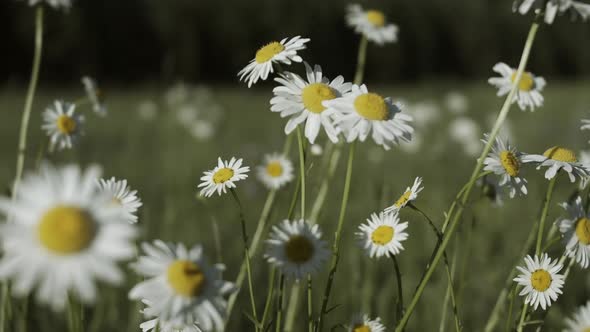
(544, 214)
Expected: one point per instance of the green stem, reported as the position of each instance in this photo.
(544, 213)
(246, 256)
(324, 187)
(301, 170)
(337, 237)
(269, 296)
(523, 313)
(510, 308)
(292, 307)
(400, 294)
(478, 167)
(279, 319)
(361, 60)
(309, 305)
(450, 290)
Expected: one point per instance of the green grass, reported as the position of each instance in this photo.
(164, 163)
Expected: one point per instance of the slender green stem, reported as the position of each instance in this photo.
(400, 294)
(301, 170)
(478, 167)
(335, 154)
(450, 289)
(279, 319)
(309, 305)
(523, 313)
(292, 307)
(269, 295)
(510, 308)
(337, 237)
(361, 60)
(544, 213)
(246, 257)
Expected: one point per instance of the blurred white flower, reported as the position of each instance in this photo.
(372, 24)
(580, 322)
(456, 102)
(223, 177)
(186, 114)
(424, 112)
(177, 94)
(66, 4)
(276, 171)
(317, 150)
(202, 130)
(147, 110)
(414, 145)
(552, 7)
(62, 124)
(466, 133)
(575, 230)
(95, 95)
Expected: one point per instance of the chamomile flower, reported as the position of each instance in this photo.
(276, 171)
(552, 7)
(372, 24)
(506, 162)
(575, 228)
(383, 234)
(529, 90)
(181, 286)
(95, 95)
(168, 326)
(580, 322)
(57, 4)
(301, 100)
(63, 236)
(123, 196)
(296, 248)
(558, 158)
(223, 177)
(540, 280)
(363, 323)
(62, 124)
(361, 113)
(407, 197)
(284, 52)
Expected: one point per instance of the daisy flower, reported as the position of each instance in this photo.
(580, 322)
(382, 235)
(372, 24)
(95, 95)
(362, 323)
(284, 52)
(558, 158)
(276, 172)
(123, 196)
(540, 281)
(66, 4)
(180, 286)
(223, 177)
(552, 7)
(408, 196)
(529, 90)
(168, 326)
(361, 113)
(302, 100)
(63, 236)
(505, 161)
(575, 229)
(297, 248)
(62, 124)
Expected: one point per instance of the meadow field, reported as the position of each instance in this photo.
(150, 137)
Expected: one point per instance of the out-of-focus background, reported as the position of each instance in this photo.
(168, 70)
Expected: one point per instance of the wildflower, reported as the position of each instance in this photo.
(558, 158)
(552, 7)
(123, 196)
(505, 161)
(540, 280)
(456, 102)
(95, 95)
(302, 101)
(147, 110)
(62, 124)
(575, 228)
(407, 197)
(372, 24)
(466, 132)
(382, 235)
(57, 4)
(284, 52)
(276, 171)
(202, 130)
(425, 113)
(316, 150)
(580, 322)
(63, 236)
(362, 323)
(223, 177)
(528, 95)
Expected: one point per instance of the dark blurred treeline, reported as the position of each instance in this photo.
(205, 40)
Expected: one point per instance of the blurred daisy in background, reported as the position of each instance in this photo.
(556, 159)
(552, 7)
(540, 280)
(297, 249)
(360, 113)
(223, 177)
(466, 132)
(580, 322)
(147, 110)
(407, 197)
(456, 102)
(382, 235)
(202, 130)
(276, 171)
(316, 150)
(414, 145)
(180, 286)
(186, 113)
(363, 323)
(57, 4)
(176, 95)
(372, 24)
(301, 100)
(63, 236)
(528, 94)
(506, 162)
(575, 228)
(62, 124)
(123, 196)
(283, 52)
(424, 113)
(95, 96)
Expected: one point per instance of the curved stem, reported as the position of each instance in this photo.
(523, 313)
(361, 60)
(301, 170)
(309, 305)
(400, 300)
(546, 203)
(478, 167)
(269, 296)
(337, 237)
(279, 319)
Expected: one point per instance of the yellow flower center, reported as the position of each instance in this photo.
(361, 328)
(223, 175)
(299, 249)
(583, 230)
(403, 199)
(382, 235)
(66, 125)
(510, 163)
(376, 17)
(66, 229)
(541, 280)
(527, 83)
(371, 106)
(314, 94)
(268, 51)
(274, 169)
(186, 278)
(561, 154)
